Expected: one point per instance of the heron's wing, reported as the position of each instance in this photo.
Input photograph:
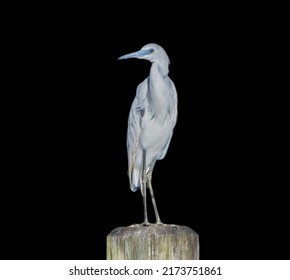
(173, 116)
(174, 98)
(135, 153)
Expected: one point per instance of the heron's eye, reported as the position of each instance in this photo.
(151, 51)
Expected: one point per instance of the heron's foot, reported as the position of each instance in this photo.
(174, 226)
(146, 224)
(166, 225)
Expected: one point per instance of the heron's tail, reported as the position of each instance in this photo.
(135, 158)
(135, 180)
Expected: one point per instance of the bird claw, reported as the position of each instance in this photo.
(174, 226)
(162, 224)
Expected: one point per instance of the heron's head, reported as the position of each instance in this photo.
(151, 52)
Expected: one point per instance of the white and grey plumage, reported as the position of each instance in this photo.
(151, 121)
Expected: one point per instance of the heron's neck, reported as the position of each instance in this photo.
(158, 94)
(158, 68)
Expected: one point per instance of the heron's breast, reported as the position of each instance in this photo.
(154, 133)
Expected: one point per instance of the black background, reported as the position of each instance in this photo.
(65, 184)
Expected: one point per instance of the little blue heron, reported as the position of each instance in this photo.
(151, 121)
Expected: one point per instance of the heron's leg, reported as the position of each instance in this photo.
(144, 181)
(146, 222)
(158, 221)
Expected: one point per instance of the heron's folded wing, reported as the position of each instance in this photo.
(173, 118)
(135, 154)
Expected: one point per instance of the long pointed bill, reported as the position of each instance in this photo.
(138, 54)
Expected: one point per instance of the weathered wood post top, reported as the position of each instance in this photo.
(153, 242)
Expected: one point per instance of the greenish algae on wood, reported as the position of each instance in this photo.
(153, 242)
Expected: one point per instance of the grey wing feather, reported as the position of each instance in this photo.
(173, 118)
(135, 153)
(174, 113)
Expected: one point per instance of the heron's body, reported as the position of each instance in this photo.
(151, 121)
(150, 126)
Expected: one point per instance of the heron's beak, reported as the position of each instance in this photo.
(139, 54)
